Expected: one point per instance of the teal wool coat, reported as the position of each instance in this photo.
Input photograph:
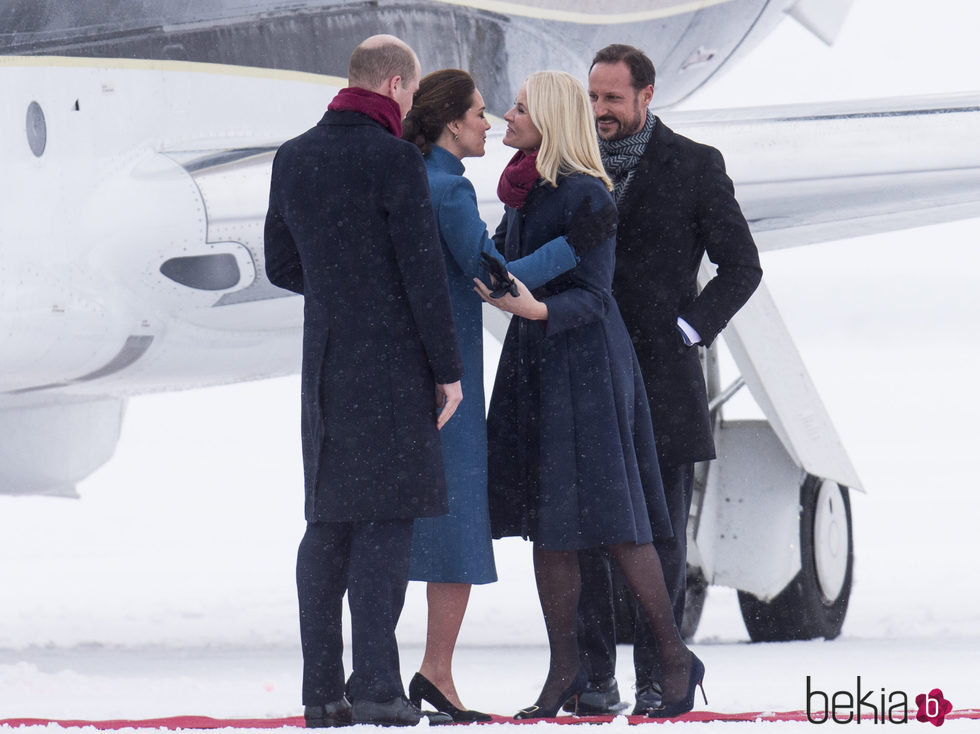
(456, 548)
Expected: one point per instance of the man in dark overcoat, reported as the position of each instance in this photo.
(350, 227)
(676, 203)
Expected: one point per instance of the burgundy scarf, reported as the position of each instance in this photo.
(518, 178)
(376, 106)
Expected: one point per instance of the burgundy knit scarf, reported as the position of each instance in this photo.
(376, 106)
(518, 178)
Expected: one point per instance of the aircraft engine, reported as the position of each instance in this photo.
(47, 449)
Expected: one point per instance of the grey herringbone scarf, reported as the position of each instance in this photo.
(620, 157)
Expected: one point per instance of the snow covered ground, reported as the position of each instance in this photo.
(168, 588)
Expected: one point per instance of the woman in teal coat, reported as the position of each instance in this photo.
(452, 552)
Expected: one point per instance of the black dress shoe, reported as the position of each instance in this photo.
(599, 698)
(336, 713)
(649, 697)
(399, 711)
(421, 688)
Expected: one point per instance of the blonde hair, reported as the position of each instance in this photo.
(559, 108)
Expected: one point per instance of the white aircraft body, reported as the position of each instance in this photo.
(137, 140)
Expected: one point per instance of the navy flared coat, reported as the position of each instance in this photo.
(572, 459)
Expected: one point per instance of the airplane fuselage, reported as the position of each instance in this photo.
(499, 42)
(137, 137)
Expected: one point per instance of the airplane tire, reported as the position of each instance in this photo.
(815, 602)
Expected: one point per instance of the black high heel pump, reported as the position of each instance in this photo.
(421, 687)
(675, 708)
(571, 693)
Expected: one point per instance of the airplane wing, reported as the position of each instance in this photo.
(816, 173)
(823, 172)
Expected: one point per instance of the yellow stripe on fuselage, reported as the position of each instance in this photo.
(198, 67)
(670, 8)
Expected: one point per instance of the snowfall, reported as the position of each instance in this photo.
(168, 589)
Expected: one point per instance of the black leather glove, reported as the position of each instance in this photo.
(500, 281)
(588, 229)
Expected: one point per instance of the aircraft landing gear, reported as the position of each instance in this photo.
(815, 602)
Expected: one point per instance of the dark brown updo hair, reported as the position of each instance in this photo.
(443, 96)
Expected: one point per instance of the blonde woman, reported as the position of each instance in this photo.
(572, 461)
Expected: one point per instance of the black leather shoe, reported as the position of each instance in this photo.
(599, 698)
(398, 711)
(438, 718)
(337, 713)
(649, 697)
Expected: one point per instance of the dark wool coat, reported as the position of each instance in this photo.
(680, 204)
(350, 227)
(571, 445)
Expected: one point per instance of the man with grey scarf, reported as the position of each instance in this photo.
(676, 203)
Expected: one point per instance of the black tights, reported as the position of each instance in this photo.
(559, 584)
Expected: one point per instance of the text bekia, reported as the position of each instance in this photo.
(845, 707)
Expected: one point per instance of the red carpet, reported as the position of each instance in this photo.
(206, 722)
(170, 722)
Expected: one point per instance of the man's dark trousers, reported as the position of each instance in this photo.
(596, 619)
(375, 579)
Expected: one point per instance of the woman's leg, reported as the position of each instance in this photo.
(557, 576)
(447, 605)
(640, 565)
